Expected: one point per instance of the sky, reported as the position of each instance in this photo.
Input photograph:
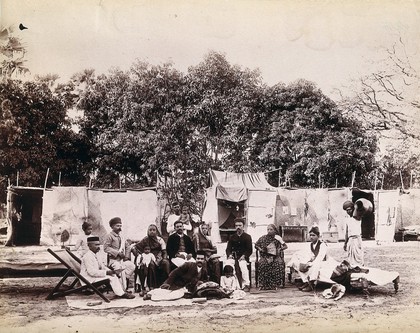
(327, 42)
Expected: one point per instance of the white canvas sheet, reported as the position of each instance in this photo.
(386, 215)
(137, 210)
(210, 214)
(317, 212)
(261, 210)
(64, 208)
(337, 214)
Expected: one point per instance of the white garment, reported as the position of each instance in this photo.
(307, 257)
(93, 270)
(170, 225)
(145, 259)
(159, 294)
(354, 227)
(230, 283)
(243, 266)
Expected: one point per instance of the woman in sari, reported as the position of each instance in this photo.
(157, 271)
(271, 266)
(202, 242)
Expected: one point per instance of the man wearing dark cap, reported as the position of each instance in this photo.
(118, 252)
(93, 269)
(308, 263)
(239, 248)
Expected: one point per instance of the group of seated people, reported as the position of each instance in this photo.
(183, 263)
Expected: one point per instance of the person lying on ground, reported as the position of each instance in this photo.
(183, 279)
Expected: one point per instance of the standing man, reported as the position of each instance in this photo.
(353, 238)
(180, 246)
(93, 270)
(118, 253)
(239, 248)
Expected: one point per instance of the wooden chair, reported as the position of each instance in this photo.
(72, 263)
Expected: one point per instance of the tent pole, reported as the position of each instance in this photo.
(353, 177)
(374, 187)
(46, 178)
(402, 183)
(411, 179)
(17, 178)
(279, 184)
(382, 185)
(59, 178)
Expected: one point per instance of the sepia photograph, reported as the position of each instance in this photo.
(209, 166)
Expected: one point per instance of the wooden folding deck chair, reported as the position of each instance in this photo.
(72, 263)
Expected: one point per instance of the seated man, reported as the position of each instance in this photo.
(309, 263)
(202, 242)
(239, 249)
(180, 247)
(183, 278)
(118, 254)
(93, 270)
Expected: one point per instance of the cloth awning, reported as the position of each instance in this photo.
(234, 187)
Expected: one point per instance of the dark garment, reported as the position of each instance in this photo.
(203, 243)
(187, 276)
(173, 243)
(156, 273)
(368, 220)
(150, 273)
(238, 246)
(271, 267)
(315, 250)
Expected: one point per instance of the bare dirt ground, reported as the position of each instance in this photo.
(23, 307)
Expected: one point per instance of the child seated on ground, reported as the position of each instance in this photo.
(229, 281)
(143, 262)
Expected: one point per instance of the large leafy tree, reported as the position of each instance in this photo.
(310, 141)
(224, 110)
(36, 134)
(154, 118)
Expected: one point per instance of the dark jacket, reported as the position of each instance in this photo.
(187, 276)
(239, 245)
(172, 245)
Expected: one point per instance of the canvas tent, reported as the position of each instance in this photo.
(46, 214)
(232, 195)
(248, 195)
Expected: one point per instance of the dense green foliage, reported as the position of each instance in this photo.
(36, 134)
(154, 118)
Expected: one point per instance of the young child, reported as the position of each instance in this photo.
(145, 275)
(228, 281)
(81, 242)
(146, 257)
